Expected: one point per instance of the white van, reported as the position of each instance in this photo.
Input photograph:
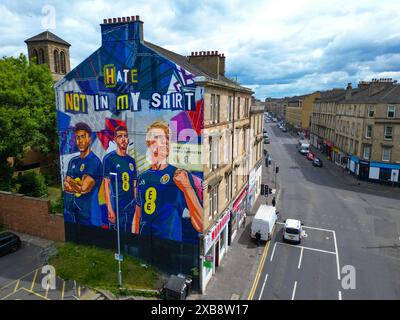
(292, 230)
(303, 147)
(264, 222)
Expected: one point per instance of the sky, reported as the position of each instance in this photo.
(277, 48)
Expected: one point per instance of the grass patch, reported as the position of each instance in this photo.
(96, 268)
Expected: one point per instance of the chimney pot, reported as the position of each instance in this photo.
(208, 53)
(137, 18)
(133, 18)
(119, 19)
(123, 19)
(109, 20)
(128, 19)
(216, 52)
(105, 21)
(114, 20)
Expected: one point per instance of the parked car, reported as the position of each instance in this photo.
(266, 140)
(292, 230)
(9, 242)
(317, 162)
(303, 147)
(310, 156)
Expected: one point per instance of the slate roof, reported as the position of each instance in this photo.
(47, 36)
(184, 63)
(391, 94)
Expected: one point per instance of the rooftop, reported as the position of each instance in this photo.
(47, 36)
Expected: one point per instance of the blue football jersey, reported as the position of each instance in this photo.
(87, 205)
(164, 210)
(125, 167)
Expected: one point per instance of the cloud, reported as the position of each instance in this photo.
(278, 48)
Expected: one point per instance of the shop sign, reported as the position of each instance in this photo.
(221, 224)
(207, 264)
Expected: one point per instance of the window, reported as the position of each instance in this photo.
(228, 180)
(213, 201)
(217, 100)
(386, 154)
(35, 55)
(368, 132)
(388, 132)
(236, 181)
(371, 111)
(212, 108)
(238, 108)
(391, 111)
(41, 56)
(63, 63)
(229, 108)
(56, 62)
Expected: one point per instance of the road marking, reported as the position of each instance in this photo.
(36, 294)
(259, 270)
(294, 290)
(47, 287)
(301, 257)
(337, 255)
(34, 279)
(262, 289)
(307, 248)
(340, 295)
(63, 289)
(14, 281)
(16, 286)
(313, 228)
(273, 251)
(11, 294)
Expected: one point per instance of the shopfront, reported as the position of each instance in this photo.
(363, 171)
(238, 214)
(215, 247)
(353, 164)
(384, 172)
(328, 146)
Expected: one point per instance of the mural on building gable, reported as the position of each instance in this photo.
(128, 110)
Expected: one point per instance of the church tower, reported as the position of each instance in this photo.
(47, 48)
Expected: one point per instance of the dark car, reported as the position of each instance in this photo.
(317, 162)
(9, 242)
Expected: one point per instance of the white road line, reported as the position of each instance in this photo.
(307, 248)
(273, 251)
(313, 228)
(340, 295)
(301, 257)
(337, 255)
(294, 290)
(262, 289)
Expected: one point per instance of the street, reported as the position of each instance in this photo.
(348, 226)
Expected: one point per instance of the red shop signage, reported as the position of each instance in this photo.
(221, 224)
(239, 200)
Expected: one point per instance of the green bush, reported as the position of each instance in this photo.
(57, 206)
(33, 184)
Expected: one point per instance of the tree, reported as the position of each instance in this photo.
(27, 112)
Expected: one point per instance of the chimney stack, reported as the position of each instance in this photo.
(122, 29)
(349, 90)
(211, 62)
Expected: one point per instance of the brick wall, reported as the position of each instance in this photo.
(31, 216)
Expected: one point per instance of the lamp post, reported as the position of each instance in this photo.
(117, 220)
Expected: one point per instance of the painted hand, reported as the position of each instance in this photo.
(181, 179)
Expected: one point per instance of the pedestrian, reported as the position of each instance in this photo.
(258, 238)
(273, 202)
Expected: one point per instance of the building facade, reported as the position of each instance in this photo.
(167, 134)
(299, 111)
(360, 129)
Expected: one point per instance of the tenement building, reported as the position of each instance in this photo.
(360, 129)
(174, 128)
